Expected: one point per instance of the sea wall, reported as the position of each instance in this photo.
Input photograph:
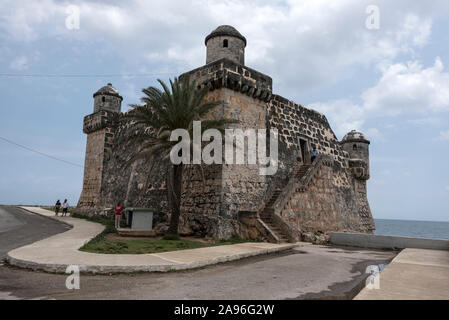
(386, 242)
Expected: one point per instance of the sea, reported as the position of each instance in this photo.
(411, 228)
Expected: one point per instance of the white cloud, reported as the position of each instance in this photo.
(416, 29)
(403, 89)
(342, 114)
(301, 44)
(20, 63)
(433, 121)
(373, 133)
(444, 135)
(409, 88)
(22, 19)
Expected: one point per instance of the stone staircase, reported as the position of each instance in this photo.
(266, 217)
(267, 212)
(300, 171)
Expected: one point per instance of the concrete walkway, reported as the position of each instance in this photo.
(414, 274)
(56, 253)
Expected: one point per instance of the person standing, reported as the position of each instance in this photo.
(118, 214)
(314, 154)
(57, 207)
(65, 207)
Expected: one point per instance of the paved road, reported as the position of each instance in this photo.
(19, 227)
(307, 272)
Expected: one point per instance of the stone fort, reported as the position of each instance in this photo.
(304, 200)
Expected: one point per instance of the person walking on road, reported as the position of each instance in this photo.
(118, 214)
(57, 207)
(65, 207)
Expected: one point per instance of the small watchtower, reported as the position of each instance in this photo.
(100, 129)
(356, 144)
(107, 98)
(225, 42)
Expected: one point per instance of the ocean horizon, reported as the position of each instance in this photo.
(412, 228)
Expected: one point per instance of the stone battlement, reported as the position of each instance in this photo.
(225, 73)
(99, 120)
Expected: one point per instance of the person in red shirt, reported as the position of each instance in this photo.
(118, 214)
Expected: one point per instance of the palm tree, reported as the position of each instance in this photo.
(174, 107)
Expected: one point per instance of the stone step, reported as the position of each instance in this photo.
(277, 231)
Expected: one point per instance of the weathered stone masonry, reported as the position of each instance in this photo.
(303, 200)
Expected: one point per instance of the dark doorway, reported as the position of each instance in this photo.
(303, 146)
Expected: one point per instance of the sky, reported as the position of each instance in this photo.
(382, 71)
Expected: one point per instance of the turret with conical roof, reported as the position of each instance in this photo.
(225, 42)
(356, 144)
(107, 98)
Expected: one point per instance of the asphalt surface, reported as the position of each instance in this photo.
(309, 272)
(19, 227)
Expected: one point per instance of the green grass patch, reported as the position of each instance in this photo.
(110, 243)
(140, 246)
(171, 237)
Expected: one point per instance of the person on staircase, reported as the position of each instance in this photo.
(314, 154)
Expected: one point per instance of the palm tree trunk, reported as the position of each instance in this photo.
(176, 198)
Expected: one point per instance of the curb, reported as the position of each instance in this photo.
(92, 269)
(166, 267)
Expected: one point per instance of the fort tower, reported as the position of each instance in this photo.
(100, 134)
(225, 42)
(357, 146)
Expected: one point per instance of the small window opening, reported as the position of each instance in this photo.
(103, 99)
(225, 43)
(354, 147)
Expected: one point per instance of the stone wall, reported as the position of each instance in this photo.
(107, 102)
(211, 207)
(134, 183)
(99, 127)
(331, 202)
(93, 168)
(336, 197)
(295, 122)
(228, 74)
(235, 50)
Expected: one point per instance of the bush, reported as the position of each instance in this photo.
(171, 237)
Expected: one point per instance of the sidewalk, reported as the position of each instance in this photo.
(55, 253)
(414, 274)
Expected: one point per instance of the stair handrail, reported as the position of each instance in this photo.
(275, 184)
(321, 160)
(302, 183)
